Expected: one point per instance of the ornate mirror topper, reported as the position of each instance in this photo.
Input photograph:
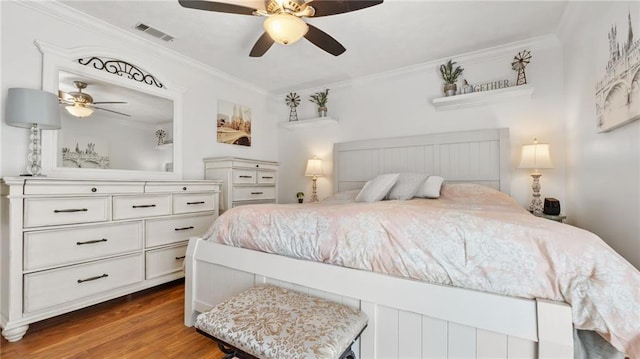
(121, 68)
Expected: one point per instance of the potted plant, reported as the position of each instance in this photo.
(300, 196)
(320, 99)
(450, 75)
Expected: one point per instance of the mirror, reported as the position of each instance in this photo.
(125, 130)
(128, 126)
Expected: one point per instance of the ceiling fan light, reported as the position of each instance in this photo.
(79, 110)
(284, 28)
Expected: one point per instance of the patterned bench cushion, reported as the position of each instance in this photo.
(273, 322)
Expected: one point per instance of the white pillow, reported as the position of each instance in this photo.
(377, 188)
(407, 186)
(430, 188)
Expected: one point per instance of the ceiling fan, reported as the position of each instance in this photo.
(81, 104)
(284, 24)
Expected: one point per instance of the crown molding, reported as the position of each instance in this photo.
(77, 18)
(473, 57)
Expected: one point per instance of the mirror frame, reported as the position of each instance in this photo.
(56, 59)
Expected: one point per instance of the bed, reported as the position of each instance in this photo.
(408, 317)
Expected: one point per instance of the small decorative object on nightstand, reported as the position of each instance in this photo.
(314, 169)
(300, 197)
(535, 156)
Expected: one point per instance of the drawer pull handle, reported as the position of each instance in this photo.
(70, 210)
(267, 177)
(199, 202)
(93, 278)
(257, 192)
(143, 205)
(179, 258)
(94, 189)
(183, 228)
(92, 242)
(245, 176)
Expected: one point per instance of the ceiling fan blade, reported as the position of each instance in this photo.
(63, 96)
(261, 46)
(109, 102)
(334, 7)
(216, 6)
(324, 41)
(106, 109)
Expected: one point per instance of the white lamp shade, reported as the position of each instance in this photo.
(535, 156)
(79, 110)
(285, 29)
(314, 167)
(26, 107)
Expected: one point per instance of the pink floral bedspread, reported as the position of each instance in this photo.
(472, 237)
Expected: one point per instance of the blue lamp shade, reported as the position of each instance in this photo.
(26, 107)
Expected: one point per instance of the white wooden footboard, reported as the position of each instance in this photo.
(407, 318)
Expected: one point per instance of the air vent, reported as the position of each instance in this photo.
(154, 32)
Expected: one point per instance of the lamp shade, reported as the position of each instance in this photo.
(26, 107)
(284, 28)
(314, 167)
(535, 156)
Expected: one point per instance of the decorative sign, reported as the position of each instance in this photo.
(491, 86)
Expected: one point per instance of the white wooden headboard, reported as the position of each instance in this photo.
(480, 156)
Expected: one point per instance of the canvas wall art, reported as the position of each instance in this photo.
(85, 152)
(618, 91)
(234, 123)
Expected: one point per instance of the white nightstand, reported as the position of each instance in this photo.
(558, 218)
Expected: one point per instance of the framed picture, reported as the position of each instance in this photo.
(234, 123)
(618, 91)
(85, 152)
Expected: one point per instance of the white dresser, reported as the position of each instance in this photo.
(244, 181)
(68, 244)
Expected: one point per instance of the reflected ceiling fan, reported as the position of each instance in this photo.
(81, 104)
(284, 24)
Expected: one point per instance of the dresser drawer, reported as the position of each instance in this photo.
(253, 193)
(165, 261)
(55, 187)
(141, 206)
(54, 287)
(196, 202)
(67, 246)
(244, 176)
(165, 187)
(54, 211)
(265, 177)
(176, 229)
(250, 164)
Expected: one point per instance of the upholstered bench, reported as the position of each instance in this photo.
(272, 322)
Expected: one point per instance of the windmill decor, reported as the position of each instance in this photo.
(521, 61)
(293, 100)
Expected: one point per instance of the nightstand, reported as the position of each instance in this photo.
(558, 218)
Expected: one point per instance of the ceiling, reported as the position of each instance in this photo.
(395, 34)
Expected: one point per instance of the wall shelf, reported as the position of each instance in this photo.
(312, 122)
(483, 98)
(165, 146)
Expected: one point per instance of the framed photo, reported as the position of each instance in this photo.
(85, 152)
(618, 91)
(234, 123)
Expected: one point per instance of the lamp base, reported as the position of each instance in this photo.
(314, 194)
(536, 205)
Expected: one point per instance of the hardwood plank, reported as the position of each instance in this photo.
(147, 324)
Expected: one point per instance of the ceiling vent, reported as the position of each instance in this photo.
(154, 32)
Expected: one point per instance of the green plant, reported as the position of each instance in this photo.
(300, 195)
(449, 74)
(320, 98)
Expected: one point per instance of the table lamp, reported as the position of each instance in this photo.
(37, 110)
(535, 156)
(314, 169)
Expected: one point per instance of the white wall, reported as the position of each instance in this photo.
(399, 103)
(603, 169)
(22, 23)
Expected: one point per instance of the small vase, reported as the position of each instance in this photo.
(322, 111)
(300, 200)
(450, 89)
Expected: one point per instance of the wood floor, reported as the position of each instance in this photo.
(148, 324)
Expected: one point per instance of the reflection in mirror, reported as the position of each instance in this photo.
(113, 127)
